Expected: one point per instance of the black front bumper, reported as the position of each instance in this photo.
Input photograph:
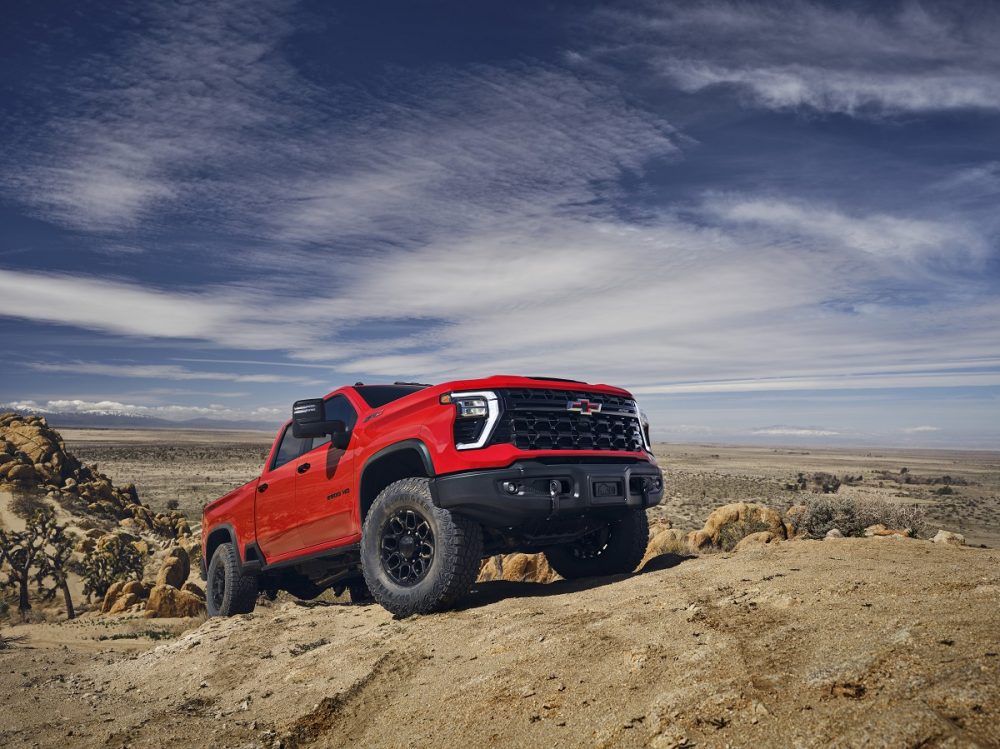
(527, 491)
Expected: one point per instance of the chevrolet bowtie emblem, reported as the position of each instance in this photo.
(584, 407)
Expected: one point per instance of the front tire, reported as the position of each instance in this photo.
(229, 591)
(614, 549)
(417, 557)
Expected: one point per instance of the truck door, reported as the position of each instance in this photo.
(276, 514)
(325, 488)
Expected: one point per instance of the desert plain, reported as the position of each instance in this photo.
(883, 641)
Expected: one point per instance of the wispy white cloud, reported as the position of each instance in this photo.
(881, 235)
(915, 430)
(163, 372)
(178, 93)
(914, 57)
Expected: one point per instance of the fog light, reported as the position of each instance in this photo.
(510, 487)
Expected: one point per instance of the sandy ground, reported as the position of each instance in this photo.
(877, 642)
(885, 642)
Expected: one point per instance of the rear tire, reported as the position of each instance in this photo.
(417, 557)
(613, 550)
(228, 590)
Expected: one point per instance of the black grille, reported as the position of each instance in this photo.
(539, 419)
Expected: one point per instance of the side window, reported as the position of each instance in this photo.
(340, 409)
(292, 447)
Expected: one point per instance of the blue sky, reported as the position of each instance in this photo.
(773, 221)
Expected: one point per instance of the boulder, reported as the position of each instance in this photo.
(833, 533)
(175, 569)
(23, 473)
(880, 530)
(760, 538)
(526, 568)
(111, 596)
(135, 587)
(949, 537)
(123, 603)
(667, 541)
(190, 587)
(166, 601)
(728, 524)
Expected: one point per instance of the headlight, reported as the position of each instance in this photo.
(476, 414)
(644, 428)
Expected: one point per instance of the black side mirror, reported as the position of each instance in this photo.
(309, 420)
(340, 438)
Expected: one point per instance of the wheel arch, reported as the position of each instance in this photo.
(220, 534)
(405, 459)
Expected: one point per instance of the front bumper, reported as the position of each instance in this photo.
(526, 491)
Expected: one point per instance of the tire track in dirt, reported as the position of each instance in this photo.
(341, 720)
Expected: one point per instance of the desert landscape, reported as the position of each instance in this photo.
(776, 639)
(959, 490)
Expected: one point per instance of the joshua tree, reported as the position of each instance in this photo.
(36, 554)
(54, 566)
(115, 559)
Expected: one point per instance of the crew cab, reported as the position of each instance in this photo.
(397, 492)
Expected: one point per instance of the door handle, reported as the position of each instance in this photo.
(262, 488)
(303, 468)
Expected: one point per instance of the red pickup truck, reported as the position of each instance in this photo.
(397, 492)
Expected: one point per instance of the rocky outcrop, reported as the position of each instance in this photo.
(665, 541)
(880, 530)
(32, 454)
(166, 601)
(949, 537)
(729, 524)
(760, 538)
(522, 568)
(175, 568)
(170, 595)
(124, 596)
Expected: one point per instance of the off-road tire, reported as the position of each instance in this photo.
(620, 552)
(239, 591)
(458, 547)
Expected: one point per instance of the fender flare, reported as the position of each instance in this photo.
(412, 443)
(228, 530)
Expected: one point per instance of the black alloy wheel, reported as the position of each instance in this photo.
(407, 547)
(217, 586)
(592, 545)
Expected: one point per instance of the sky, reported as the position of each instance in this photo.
(772, 221)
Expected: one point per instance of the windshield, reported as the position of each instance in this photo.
(378, 395)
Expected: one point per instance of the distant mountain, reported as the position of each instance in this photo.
(113, 420)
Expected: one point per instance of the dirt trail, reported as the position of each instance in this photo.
(883, 642)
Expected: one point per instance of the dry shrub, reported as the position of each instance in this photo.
(852, 515)
(731, 534)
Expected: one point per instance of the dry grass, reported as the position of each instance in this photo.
(851, 515)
